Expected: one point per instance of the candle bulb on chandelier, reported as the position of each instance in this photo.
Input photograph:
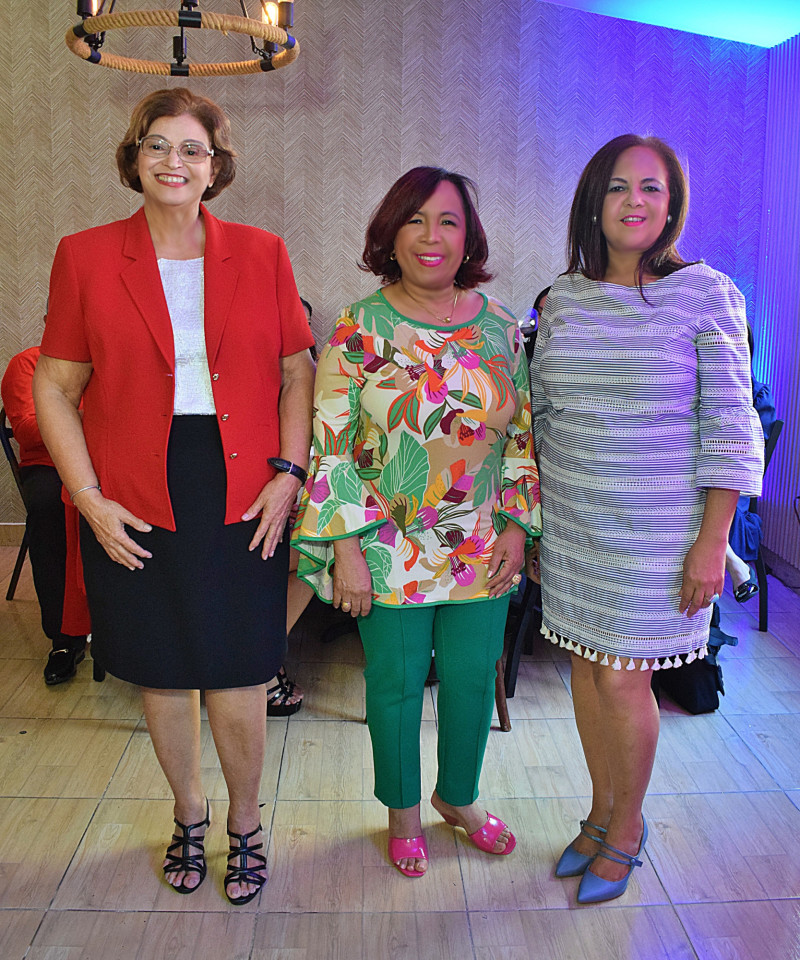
(87, 8)
(269, 13)
(286, 14)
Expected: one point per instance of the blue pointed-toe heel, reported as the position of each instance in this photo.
(573, 864)
(594, 889)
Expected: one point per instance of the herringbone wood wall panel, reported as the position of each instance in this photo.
(516, 93)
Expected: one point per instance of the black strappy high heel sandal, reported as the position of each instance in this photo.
(184, 861)
(278, 697)
(242, 873)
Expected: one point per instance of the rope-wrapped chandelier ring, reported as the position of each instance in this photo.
(174, 18)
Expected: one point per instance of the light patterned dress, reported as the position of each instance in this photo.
(422, 447)
(638, 407)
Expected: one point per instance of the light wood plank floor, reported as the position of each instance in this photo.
(85, 815)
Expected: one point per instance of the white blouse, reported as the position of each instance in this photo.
(183, 289)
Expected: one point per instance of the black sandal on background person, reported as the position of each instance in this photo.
(242, 873)
(278, 697)
(186, 862)
(747, 589)
(62, 663)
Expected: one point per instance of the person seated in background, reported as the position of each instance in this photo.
(309, 314)
(744, 537)
(540, 301)
(52, 527)
(530, 325)
(284, 696)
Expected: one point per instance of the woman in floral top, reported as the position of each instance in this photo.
(421, 494)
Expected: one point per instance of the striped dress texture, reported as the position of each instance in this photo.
(639, 406)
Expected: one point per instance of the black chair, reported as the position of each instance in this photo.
(6, 436)
(760, 565)
(525, 618)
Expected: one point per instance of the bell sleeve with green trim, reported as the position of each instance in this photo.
(334, 503)
(518, 495)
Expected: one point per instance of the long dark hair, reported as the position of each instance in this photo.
(587, 250)
(404, 198)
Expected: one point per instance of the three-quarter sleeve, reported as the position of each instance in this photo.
(731, 440)
(335, 503)
(65, 336)
(518, 495)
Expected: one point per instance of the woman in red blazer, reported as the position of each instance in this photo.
(185, 337)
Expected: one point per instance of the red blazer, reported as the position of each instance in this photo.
(107, 308)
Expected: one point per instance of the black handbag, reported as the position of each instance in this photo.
(696, 686)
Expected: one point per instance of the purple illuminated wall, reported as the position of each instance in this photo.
(777, 318)
(586, 78)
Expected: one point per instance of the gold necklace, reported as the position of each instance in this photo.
(430, 312)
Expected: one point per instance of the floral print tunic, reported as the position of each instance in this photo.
(422, 447)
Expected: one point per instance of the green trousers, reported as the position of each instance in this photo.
(467, 639)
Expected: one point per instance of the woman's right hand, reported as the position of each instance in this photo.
(352, 581)
(108, 519)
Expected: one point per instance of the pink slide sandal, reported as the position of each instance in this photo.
(412, 848)
(486, 837)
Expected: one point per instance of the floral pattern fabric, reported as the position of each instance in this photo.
(422, 447)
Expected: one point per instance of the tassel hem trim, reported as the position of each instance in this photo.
(624, 663)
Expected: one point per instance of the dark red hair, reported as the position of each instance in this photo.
(404, 199)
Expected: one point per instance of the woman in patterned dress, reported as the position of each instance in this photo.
(422, 492)
(646, 435)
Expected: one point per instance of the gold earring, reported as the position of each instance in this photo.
(466, 259)
(392, 255)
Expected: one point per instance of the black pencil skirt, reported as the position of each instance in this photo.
(204, 613)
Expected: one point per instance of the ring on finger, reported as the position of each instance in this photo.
(346, 605)
(711, 599)
(516, 579)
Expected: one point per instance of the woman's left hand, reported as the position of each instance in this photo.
(508, 558)
(274, 504)
(703, 575)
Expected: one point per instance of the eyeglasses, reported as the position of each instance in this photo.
(189, 151)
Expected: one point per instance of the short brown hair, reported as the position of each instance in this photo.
(587, 249)
(174, 103)
(404, 198)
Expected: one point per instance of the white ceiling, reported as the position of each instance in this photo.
(763, 23)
